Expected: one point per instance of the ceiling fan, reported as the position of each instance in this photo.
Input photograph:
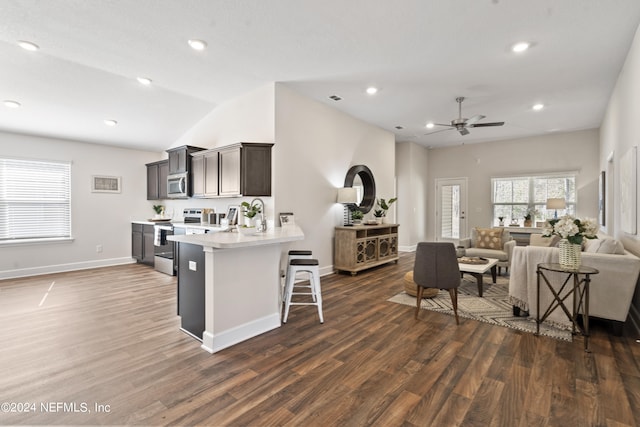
(462, 125)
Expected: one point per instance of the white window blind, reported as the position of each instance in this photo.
(35, 200)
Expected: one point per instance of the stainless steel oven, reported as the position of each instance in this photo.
(163, 249)
(178, 185)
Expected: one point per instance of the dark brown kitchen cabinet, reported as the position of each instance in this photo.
(180, 158)
(245, 169)
(142, 249)
(242, 169)
(157, 173)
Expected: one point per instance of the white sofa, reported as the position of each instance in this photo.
(611, 290)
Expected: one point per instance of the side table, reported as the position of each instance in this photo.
(577, 288)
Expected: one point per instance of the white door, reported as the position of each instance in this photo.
(451, 209)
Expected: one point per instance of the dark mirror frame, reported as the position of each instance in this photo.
(368, 183)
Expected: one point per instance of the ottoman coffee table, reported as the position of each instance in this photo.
(477, 267)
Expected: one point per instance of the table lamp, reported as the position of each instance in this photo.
(556, 203)
(347, 196)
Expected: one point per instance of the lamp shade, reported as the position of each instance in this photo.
(347, 195)
(556, 203)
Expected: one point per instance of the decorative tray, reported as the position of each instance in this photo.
(160, 219)
(472, 260)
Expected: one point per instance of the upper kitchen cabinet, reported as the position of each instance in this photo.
(157, 173)
(242, 169)
(180, 158)
(204, 170)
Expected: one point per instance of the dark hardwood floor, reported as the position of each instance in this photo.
(104, 347)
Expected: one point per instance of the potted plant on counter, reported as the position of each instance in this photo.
(378, 214)
(250, 211)
(356, 216)
(159, 210)
(385, 206)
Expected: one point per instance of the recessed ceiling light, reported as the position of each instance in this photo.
(520, 47)
(144, 81)
(110, 122)
(372, 90)
(11, 104)
(538, 107)
(198, 44)
(28, 45)
(430, 125)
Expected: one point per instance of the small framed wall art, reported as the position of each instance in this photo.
(105, 184)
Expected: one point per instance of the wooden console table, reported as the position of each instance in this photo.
(364, 246)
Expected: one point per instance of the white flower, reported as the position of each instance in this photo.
(572, 229)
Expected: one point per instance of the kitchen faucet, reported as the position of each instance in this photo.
(263, 222)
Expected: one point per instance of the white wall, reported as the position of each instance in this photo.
(618, 133)
(315, 147)
(97, 218)
(412, 181)
(573, 151)
(248, 118)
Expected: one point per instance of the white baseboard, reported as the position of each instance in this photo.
(240, 333)
(60, 268)
(411, 248)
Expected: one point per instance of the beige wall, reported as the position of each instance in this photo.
(413, 187)
(96, 218)
(316, 146)
(574, 151)
(618, 133)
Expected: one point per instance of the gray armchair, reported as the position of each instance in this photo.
(502, 252)
(436, 266)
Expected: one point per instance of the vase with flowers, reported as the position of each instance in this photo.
(572, 232)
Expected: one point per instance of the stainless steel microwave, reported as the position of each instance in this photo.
(178, 185)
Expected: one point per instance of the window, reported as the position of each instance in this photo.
(513, 197)
(35, 200)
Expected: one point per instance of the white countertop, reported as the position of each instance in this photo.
(233, 239)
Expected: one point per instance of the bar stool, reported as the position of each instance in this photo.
(309, 266)
(294, 254)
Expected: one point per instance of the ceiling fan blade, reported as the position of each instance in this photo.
(481, 125)
(442, 124)
(474, 119)
(438, 131)
(463, 131)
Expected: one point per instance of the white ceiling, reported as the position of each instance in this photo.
(421, 54)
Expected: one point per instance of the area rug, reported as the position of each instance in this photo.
(492, 308)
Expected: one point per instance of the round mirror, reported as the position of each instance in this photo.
(361, 178)
(359, 186)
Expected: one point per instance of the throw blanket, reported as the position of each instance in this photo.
(522, 284)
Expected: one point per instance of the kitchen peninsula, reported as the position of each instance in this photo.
(242, 282)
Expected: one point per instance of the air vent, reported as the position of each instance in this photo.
(335, 98)
(399, 127)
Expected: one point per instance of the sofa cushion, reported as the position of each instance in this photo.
(500, 255)
(604, 246)
(488, 238)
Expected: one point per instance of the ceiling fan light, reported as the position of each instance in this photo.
(429, 125)
(520, 47)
